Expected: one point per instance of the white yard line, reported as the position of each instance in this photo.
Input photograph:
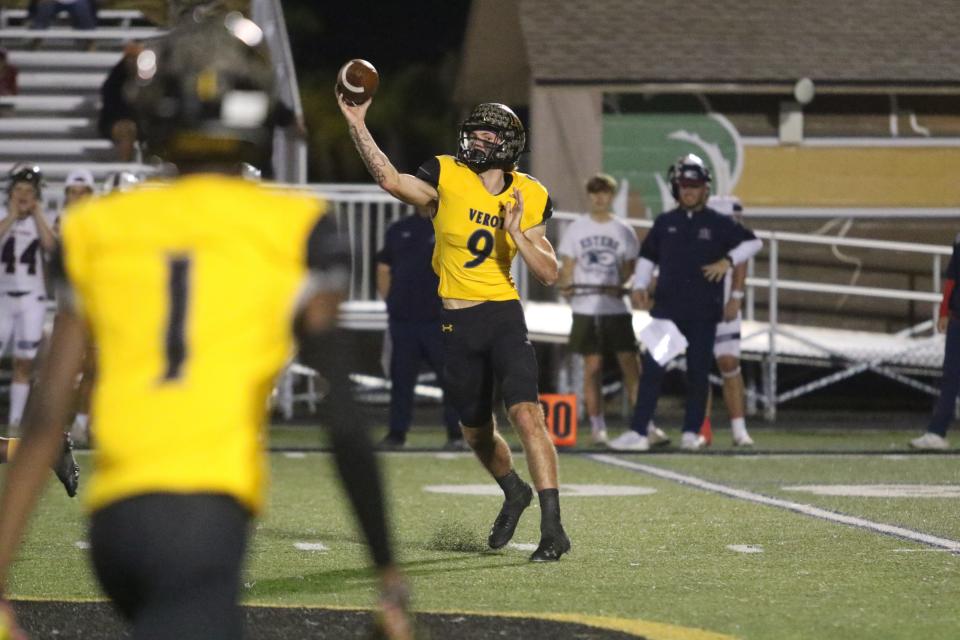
(789, 505)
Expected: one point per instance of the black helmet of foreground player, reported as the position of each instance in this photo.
(511, 138)
(205, 93)
(689, 167)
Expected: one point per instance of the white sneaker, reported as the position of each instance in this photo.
(80, 435)
(629, 440)
(930, 441)
(598, 436)
(742, 440)
(657, 436)
(692, 441)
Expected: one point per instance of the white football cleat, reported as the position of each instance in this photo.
(80, 434)
(629, 440)
(930, 442)
(692, 441)
(742, 440)
(598, 436)
(657, 436)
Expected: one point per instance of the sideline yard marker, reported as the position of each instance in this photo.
(560, 411)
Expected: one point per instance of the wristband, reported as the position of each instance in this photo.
(737, 294)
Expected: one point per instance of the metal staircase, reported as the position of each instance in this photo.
(53, 119)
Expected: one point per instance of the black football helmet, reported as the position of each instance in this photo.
(511, 138)
(205, 92)
(25, 172)
(688, 167)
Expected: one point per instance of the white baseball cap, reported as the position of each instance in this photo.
(80, 177)
(725, 205)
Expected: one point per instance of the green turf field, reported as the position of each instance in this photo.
(691, 555)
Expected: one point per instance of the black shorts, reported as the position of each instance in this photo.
(482, 343)
(171, 563)
(605, 334)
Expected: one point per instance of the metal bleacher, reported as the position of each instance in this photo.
(53, 119)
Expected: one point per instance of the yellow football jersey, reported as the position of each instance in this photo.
(190, 291)
(473, 251)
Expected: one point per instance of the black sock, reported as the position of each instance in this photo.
(549, 509)
(511, 484)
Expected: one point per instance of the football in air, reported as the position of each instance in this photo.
(357, 81)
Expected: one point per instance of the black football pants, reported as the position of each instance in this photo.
(700, 337)
(171, 563)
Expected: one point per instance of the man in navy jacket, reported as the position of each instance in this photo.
(694, 247)
(948, 323)
(406, 281)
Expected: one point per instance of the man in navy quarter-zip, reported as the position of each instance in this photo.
(406, 281)
(694, 247)
(948, 322)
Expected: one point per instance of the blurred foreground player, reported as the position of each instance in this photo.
(948, 322)
(484, 213)
(224, 274)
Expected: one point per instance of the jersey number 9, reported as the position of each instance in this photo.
(480, 244)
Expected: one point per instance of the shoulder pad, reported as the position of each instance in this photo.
(528, 177)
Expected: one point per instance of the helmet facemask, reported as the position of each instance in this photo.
(478, 153)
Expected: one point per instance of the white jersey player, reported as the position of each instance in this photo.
(25, 235)
(726, 348)
(597, 254)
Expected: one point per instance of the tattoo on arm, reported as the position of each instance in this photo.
(376, 161)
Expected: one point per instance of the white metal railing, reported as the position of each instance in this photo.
(124, 17)
(104, 34)
(364, 213)
(771, 396)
